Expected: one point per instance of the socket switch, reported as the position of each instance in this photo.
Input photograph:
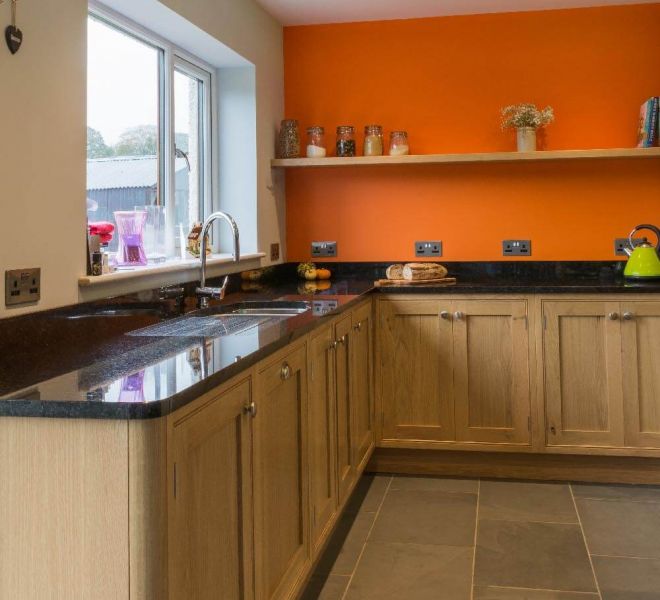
(428, 248)
(621, 243)
(324, 249)
(517, 248)
(22, 286)
(274, 251)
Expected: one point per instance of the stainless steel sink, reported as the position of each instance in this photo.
(268, 308)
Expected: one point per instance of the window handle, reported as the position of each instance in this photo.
(181, 154)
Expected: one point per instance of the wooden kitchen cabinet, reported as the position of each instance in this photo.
(210, 517)
(454, 370)
(491, 371)
(322, 433)
(346, 468)
(362, 383)
(640, 353)
(415, 378)
(583, 373)
(281, 469)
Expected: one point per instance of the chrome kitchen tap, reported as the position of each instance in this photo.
(203, 293)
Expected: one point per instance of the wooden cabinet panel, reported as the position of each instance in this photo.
(361, 379)
(280, 475)
(491, 371)
(640, 331)
(582, 378)
(415, 370)
(211, 500)
(322, 433)
(346, 472)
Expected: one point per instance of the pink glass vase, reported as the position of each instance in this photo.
(130, 227)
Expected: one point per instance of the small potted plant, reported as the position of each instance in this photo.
(526, 119)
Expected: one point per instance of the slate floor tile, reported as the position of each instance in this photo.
(524, 501)
(532, 555)
(616, 528)
(330, 588)
(635, 493)
(628, 578)
(368, 494)
(424, 517)
(394, 571)
(435, 484)
(499, 593)
(343, 549)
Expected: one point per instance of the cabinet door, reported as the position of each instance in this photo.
(280, 475)
(346, 472)
(211, 500)
(415, 370)
(582, 373)
(322, 434)
(361, 384)
(640, 331)
(491, 371)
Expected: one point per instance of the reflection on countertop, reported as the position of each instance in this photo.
(86, 361)
(107, 371)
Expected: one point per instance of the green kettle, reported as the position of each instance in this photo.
(643, 261)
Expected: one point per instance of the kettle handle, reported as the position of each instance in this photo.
(649, 227)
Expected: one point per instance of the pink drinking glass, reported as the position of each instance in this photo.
(130, 226)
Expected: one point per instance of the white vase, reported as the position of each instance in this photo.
(526, 139)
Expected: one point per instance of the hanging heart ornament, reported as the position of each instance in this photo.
(14, 38)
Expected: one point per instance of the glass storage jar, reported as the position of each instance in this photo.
(373, 140)
(399, 143)
(315, 142)
(345, 140)
(288, 141)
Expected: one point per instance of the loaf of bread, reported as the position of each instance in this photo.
(394, 272)
(420, 271)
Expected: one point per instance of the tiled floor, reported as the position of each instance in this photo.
(419, 538)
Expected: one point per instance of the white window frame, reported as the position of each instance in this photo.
(174, 57)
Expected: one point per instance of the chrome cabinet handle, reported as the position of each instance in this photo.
(285, 372)
(444, 315)
(458, 315)
(250, 409)
(342, 339)
(628, 316)
(613, 316)
(333, 345)
(358, 326)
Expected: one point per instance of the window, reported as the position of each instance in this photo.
(148, 133)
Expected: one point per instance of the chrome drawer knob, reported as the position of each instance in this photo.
(285, 372)
(628, 316)
(613, 316)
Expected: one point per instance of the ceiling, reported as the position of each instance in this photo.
(307, 12)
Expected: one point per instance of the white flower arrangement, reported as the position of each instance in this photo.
(526, 115)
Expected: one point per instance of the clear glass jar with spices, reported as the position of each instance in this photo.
(399, 143)
(316, 142)
(345, 140)
(288, 141)
(373, 140)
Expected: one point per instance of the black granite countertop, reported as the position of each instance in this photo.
(87, 361)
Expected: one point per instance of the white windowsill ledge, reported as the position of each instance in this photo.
(173, 266)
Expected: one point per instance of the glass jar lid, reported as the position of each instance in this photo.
(316, 129)
(289, 122)
(399, 134)
(346, 129)
(373, 130)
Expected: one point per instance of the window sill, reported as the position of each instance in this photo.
(174, 266)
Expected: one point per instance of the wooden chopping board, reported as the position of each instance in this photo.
(442, 281)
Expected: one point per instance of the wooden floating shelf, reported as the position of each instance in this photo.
(478, 157)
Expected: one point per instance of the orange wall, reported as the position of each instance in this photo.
(444, 81)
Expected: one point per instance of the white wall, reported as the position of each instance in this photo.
(43, 125)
